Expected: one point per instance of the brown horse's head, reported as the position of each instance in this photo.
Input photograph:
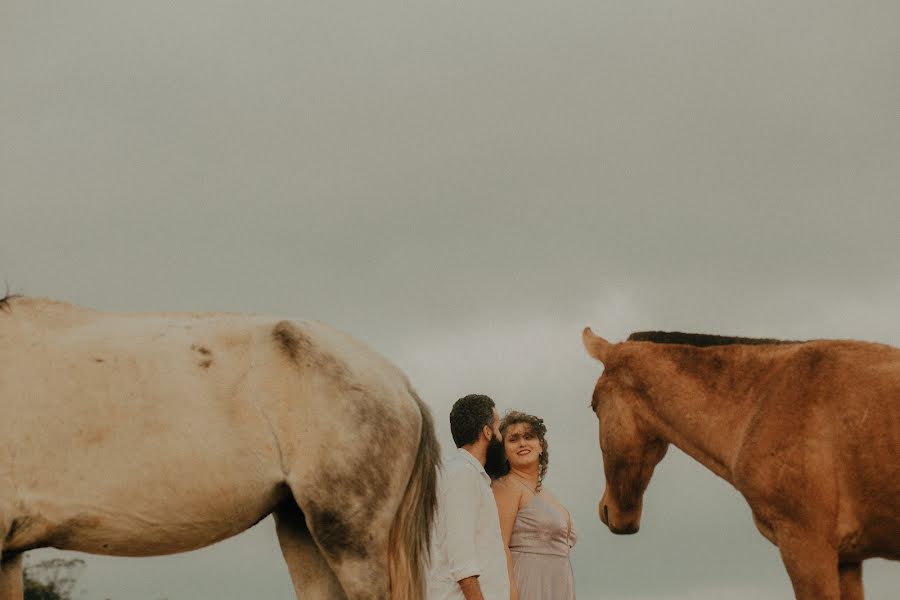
(630, 447)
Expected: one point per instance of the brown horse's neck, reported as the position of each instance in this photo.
(699, 399)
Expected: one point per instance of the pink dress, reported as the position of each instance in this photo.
(540, 542)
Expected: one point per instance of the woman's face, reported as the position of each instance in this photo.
(522, 446)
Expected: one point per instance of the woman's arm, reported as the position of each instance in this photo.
(507, 498)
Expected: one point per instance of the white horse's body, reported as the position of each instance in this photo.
(147, 434)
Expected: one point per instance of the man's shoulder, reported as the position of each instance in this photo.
(456, 466)
(456, 463)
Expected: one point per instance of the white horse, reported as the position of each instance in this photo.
(149, 434)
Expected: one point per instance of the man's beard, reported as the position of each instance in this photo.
(496, 465)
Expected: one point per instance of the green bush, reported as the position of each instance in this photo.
(39, 591)
(52, 579)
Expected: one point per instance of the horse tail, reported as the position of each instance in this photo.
(409, 540)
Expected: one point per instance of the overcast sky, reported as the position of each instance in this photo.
(465, 186)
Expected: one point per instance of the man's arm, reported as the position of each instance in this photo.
(471, 589)
(461, 518)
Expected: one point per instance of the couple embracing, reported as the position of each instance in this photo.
(499, 533)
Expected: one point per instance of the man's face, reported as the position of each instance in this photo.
(495, 425)
(496, 458)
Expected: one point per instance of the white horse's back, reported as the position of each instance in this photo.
(143, 434)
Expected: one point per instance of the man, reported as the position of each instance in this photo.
(468, 560)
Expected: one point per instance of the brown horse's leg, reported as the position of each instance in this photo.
(812, 566)
(11, 586)
(312, 577)
(851, 581)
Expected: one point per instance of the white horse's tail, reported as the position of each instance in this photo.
(409, 540)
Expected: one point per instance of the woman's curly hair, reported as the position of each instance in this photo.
(536, 425)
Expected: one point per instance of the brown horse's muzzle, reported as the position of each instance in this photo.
(620, 522)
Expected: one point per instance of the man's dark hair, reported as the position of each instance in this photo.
(468, 417)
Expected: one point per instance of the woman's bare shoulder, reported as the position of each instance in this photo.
(505, 488)
(500, 482)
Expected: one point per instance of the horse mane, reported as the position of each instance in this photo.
(701, 340)
(4, 301)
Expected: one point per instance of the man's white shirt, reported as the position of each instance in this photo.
(466, 540)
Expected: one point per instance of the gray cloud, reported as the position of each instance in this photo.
(466, 187)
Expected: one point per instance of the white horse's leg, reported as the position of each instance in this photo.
(11, 585)
(313, 578)
(364, 577)
(354, 546)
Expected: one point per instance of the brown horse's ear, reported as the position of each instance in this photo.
(595, 345)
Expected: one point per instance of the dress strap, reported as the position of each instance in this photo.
(525, 485)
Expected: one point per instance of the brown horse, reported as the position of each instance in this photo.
(155, 433)
(808, 432)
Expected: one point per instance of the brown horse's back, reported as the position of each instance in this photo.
(866, 411)
(808, 432)
(831, 418)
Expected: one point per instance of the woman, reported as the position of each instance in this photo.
(537, 530)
